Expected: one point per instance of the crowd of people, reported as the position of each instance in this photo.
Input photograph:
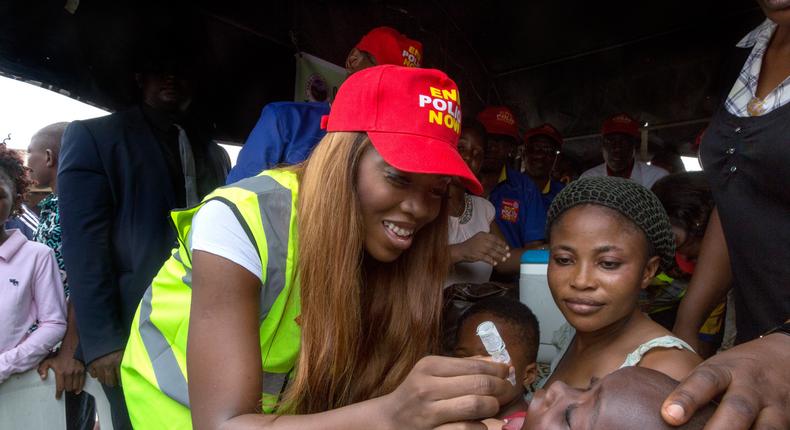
(303, 288)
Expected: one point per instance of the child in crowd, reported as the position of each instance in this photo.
(32, 304)
(608, 238)
(519, 328)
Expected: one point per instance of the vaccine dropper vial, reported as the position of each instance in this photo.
(495, 346)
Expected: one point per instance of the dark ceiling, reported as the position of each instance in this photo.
(571, 63)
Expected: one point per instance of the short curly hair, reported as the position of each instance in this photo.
(12, 165)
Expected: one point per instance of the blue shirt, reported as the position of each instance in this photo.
(286, 133)
(554, 188)
(26, 222)
(520, 209)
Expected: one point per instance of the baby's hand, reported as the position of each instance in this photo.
(514, 421)
(494, 424)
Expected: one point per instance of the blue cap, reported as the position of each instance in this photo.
(535, 256)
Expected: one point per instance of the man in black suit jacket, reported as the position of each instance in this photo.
(119, 177)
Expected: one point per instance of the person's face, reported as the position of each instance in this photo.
(499, 148)
(598, 265)
(618, 151)
(395, 205)
(471, 148)
(40, 162)
(358, 60)
(777, 11)
(686, 244)
(165, 90)
(541, 153)
(470, 345)
(7, 196)
(629, 398)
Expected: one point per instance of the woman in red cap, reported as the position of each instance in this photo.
(312, 294)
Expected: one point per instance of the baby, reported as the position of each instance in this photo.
(519, 329)
(629, 398)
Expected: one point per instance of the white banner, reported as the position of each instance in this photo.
(317, 80)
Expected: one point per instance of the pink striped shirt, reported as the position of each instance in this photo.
(30, 293)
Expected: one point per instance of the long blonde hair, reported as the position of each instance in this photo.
(364, 324)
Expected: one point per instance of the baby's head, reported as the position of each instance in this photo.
(629, 398)
(608, 237)
(515, 323)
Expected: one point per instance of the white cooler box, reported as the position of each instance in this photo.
(534, 292)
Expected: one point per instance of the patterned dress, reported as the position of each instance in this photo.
(48, 233)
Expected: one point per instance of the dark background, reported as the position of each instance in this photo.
(570, 63)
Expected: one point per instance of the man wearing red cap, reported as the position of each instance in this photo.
(620, 139)
(287, 131)
(520, 211)
(501, 143)
(542, 151)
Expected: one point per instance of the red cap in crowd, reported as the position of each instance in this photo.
(499, 120)
(621, 123)
(388, 46)
(547, 130)
(412, 116)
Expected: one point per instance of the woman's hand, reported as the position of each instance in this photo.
(482, 246)
(447, 393)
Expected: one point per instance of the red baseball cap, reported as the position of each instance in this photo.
(389, 46)
(621, 123)
(412, 116)
(547, 130)
(499, 120)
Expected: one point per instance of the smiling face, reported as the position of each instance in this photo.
(629, 398)
(618, 151)
(541, 152)
(395, 204)
(599, 262)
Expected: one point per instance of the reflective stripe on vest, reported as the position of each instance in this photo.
(274, 202)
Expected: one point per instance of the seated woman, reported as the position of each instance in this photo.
(476, 244)
(609, 237)
(310, 297)
(629, 398)
(32, 303)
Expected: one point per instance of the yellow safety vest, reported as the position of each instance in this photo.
(153, 371)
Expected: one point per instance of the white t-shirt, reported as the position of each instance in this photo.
(482, 213)
(216, 230)
(642, 173)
